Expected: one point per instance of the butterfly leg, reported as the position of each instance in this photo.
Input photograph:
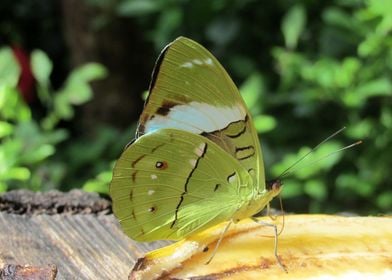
(269, 213)
(275, 241)
(218, 242)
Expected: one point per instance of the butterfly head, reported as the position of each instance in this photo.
(274, 186)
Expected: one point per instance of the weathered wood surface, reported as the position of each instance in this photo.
(82, 246)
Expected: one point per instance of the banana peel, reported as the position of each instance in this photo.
(310, 247)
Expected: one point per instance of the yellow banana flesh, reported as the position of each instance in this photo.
(310, 247)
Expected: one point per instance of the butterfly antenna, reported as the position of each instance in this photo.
(287, 170)
(324, 157)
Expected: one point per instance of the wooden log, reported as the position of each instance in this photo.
(80, 245)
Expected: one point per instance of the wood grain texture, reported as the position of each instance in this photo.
(81, 246)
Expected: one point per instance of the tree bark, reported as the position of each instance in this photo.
(119, 45)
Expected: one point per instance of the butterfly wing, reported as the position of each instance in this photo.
(172, 183)
(191, 91)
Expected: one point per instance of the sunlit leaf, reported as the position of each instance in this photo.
(100, 183)
(42, 152)
(371, 46)
(5, 129)
(377, 87)
(361, 129)
(9, 68)
(77, 89)
(307, 164)
(293, 25)
(11, 104)
(264, 123)
(62, 107)
(18, 173)
(251, 91)
(41, 66)
(87, 73)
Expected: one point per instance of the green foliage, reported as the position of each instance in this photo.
(356, 86)
(28, 145)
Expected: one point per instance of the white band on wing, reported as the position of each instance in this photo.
(197, 117)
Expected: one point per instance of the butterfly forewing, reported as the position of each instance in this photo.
(191, 91)
(171, 183)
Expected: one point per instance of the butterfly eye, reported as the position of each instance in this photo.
(161, 164)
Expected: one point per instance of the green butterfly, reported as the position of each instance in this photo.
(196, 160)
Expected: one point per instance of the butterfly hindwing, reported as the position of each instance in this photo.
(191, 91)
(171, 183)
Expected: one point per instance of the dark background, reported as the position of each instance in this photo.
(73, 74)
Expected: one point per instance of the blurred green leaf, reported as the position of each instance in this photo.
(77, 91)
(264, 123)
(381, 7)
(62, 106)
(386, 117)
(5, 129)
(321, 159)
(293, 25)
(87, 72)
(252, 91)
(354, 185)
(137, 7)
(12, 106)
(223, 30)
(17, 173)
(100, 184)
(384, 200)
(167, 23)
(347, 73)
(42, 152)
(289, 65)
(41, 66)
(323, 72)
(9, 68)
(338, 17)
(292, 188)
(360, 130)
(316, 189)
(377, 87)
(371, 46)
(3, 187)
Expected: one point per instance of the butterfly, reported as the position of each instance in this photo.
(196, 160)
